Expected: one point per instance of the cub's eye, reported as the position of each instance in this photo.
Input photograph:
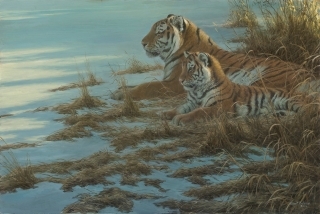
(190, 67)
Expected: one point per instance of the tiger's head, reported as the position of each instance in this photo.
(198, 69)
(165, 37)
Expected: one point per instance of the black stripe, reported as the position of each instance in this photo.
(262, 99)
(245, 63)
(172, 38)
(229, 55)
(209, 40)
(211, 88)
(278, 74)
(177, 57)
(165, 43)
(198, 35)
(230, 66)
(173, 59)
(222, 56)
(287, 105)
(256, 104)
(249, 89)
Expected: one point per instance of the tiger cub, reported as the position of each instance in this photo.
(210, 92)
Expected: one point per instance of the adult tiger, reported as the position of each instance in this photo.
(170, 37)
(210, 92)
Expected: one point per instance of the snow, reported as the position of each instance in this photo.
(45, 44)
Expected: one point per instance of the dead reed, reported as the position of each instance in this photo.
(241, 14)
(91, 80)
(135, 66)
(16, 146)
(132, 137)
(113, 197)
(129, 107)
(290, 30)
(17, 176)
(84, 101)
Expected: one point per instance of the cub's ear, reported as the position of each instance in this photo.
(205, 58)
(186, 54)
(177, 21)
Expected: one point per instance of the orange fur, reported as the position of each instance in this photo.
(210, 92)
(240, 68)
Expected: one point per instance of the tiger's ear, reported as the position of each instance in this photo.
(186, 54)
(205, 58)
(177, 21)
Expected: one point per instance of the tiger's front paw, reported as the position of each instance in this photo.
(181, 120)
(117, 95)
(168, 115)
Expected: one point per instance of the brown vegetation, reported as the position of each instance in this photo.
(91, 80)
(290, 31)
(18, 176)
(241, 15)
(113, 197)
(84, 101)
(136, 66)
(16, 146)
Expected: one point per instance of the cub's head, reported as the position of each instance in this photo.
(199, 68)
(165, 37)
(195, 70)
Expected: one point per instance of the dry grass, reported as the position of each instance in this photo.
(234, 135)
(135, 66)
(94, 161)
(290, 32)
(17, 176)
(296, 147)
(5, 115)
(91, 80)
(217, 168)
(241, 15)
(129, 107)
(78, 130)
(196, 206)
(132, 137)
(89, 175)
(17, 146)
(94, 170)
(113, 197)
(281, 185)
(84, 101)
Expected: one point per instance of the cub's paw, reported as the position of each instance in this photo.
(168, 115)
(181, 120)
(117, 95)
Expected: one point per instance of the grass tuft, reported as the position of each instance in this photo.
(290, 30)
(129, 107)
(135, 66)
(113, 197)
(241, 14)
(84, 101)
(18, 176)
(91, 80)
